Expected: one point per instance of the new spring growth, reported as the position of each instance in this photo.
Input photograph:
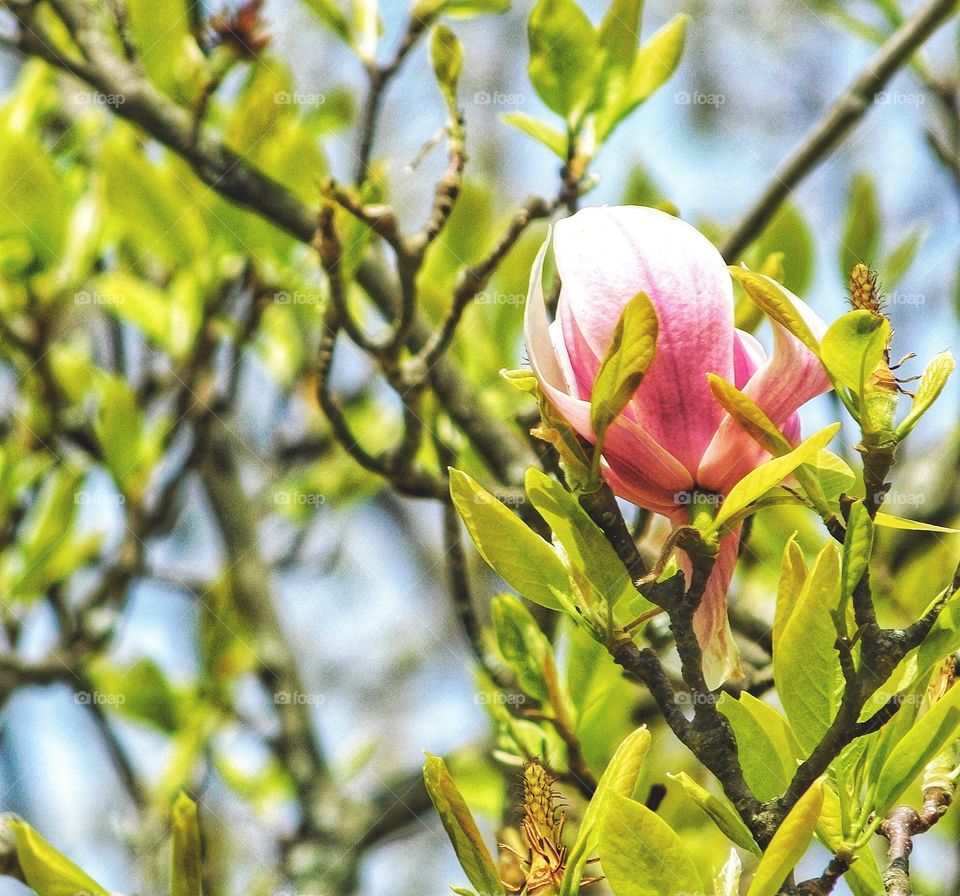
(881, 391)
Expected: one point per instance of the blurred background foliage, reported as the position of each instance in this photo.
(201, 590)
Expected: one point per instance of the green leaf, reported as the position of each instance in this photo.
(446, 56)
(806, 666)
(185, 865)
(861, 232)
(35, 200)
(857, 549)
(766, 746)
(475, 858)
(515, 552)
(833, 473)
(642, 855)
(584, 544)
(759, 481)
(853, 346)
(793, 574)
(554, 140)
(427, 10)
(788, 236)
(655, 62)
(789, 844)
(619, 778)
(930, 735)
(889, 521)
(170, 54)
(777, 303)
(119, 430)
(48, 872)
(898, 262)
(931, 385)
(626, 362)
(618, 36)
(863, 876)
(723, 814)
(522, 643)
(332, 16)
(748, 415)
(142, 690)
(563, 56)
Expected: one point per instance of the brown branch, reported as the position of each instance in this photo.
(836, 124)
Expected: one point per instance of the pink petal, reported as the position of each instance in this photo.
(721, 656)
(605, 256)
(748, 355)
(785, 381)
(650, 476)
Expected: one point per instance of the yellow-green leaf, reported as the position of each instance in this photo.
(930, 735)
(889, 521)
(642, 855)
(853, 346)
(185, 873)
(759, 481)
(723, 814)
(514, 551)
(475, 858)
(619, 777)
(628, 358)
(46, 870)
(777, 303)
(789, 843)
(931, 385)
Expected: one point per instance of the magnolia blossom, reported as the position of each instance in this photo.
(673, 438)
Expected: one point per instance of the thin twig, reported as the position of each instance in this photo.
(837, 122)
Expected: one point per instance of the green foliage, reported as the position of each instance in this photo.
(619, 779)
(642, 855)
(48, 872)
(461, 829)
(185, 869)
(593, 77)
(805, 660)
(789, 843)
(758, 482)
(723, 815)
(563, 57)
(931, 735)
(861, 232)
(516, 553)
(623, 367)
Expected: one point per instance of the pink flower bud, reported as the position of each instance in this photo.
(673, 437)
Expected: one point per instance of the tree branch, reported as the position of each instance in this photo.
(837, 122)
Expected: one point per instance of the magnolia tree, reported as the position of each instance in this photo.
(725, 661)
